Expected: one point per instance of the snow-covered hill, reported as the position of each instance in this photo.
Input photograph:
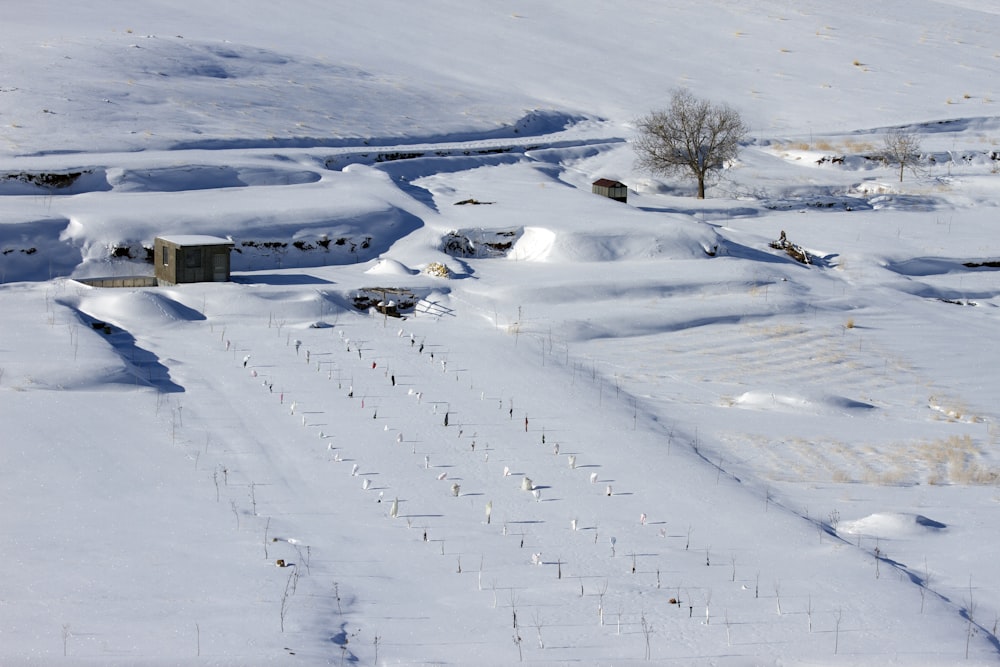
(602, 433)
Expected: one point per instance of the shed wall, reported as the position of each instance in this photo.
(191, 264)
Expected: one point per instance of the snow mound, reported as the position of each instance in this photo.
(390, 267)
(763, 400)
(111, 352)
(891, 524)
(150, 306)
(535, 245)
(670, 240)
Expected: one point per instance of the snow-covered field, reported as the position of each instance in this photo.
(608, 434)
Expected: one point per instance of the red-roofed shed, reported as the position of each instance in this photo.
(610, 189)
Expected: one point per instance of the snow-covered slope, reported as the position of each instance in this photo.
(602, 433)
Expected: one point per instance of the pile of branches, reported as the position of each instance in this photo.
(380, 298)
(796, 252)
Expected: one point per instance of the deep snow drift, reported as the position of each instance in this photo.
(601, 433)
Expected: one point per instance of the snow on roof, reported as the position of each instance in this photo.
(194, 239)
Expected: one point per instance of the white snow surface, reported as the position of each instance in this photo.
(606, 434)
(193, 239)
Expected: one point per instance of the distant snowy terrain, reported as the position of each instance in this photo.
(600, 433)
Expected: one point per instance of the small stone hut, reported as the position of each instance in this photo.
(191, 258)
(610, 189)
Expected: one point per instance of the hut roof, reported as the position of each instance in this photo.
(607, 183)
(195, 239)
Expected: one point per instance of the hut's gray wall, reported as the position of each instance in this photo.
(618, 192)
(191, 264)
(165, 261)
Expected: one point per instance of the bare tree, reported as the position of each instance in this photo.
(692, 136)
(290, 586)
(647, 632)
(539, 624)
(901, 147)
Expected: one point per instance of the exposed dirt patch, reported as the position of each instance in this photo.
(49, 180)
(479, 242)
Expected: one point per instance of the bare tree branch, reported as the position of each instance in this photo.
(692, 136)
(902, 147)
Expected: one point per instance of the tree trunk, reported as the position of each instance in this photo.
(701, 186)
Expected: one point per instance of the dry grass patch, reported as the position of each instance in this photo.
(841, 476)
(853, 146)
(955, 460)
(952, 410)
(780, 330)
